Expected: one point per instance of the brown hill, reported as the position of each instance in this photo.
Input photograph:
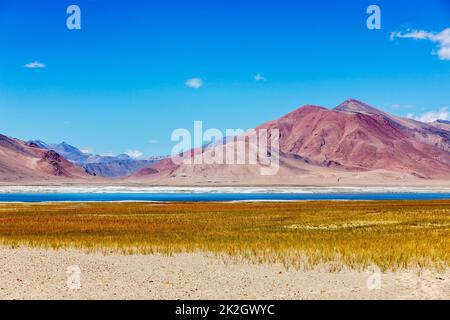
(22, 162)
(353, 142)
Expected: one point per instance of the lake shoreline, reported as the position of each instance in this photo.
(197, 197)
(219, 189)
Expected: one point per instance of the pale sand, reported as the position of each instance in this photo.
(41, 274)
(216, 189)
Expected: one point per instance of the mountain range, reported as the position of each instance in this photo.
(96, 165)
(22, 162)
(351, 144)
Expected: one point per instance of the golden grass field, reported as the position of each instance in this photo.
(389, 234)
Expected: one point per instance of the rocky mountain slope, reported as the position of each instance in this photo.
(22, 162)
(353, 143)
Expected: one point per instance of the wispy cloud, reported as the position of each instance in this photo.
(106, 154)
(431, 116)
(153, 141)
(35, 65)
(135, 154)
(442, 39)
(398, 106)
(194, 83)
(259, 77)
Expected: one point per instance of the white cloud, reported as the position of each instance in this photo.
(442, 39)
(195, 83)
(87, 150)
(259, 77)
(35, 65)
(431, 116)
(135, 154)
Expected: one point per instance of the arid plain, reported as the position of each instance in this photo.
(281, 250)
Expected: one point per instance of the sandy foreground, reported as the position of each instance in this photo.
(71, 274)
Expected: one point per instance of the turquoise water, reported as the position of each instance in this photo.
(197, 197)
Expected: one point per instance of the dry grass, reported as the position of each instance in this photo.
(389, 234)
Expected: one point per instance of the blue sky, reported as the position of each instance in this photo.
(119, 83)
